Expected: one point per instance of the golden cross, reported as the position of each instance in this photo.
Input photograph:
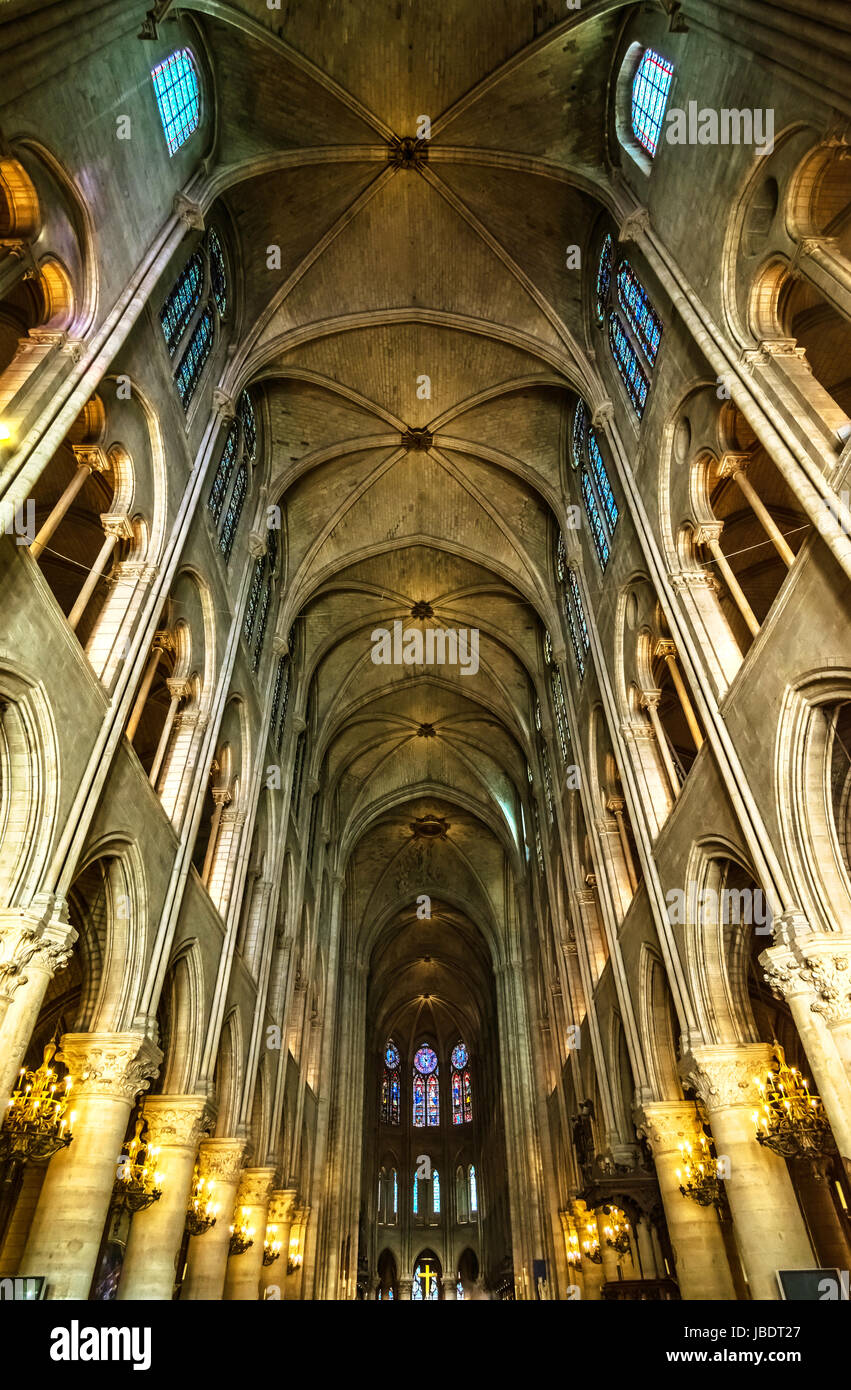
(427, 1274)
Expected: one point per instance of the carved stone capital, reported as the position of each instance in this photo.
(256, 544)
(27, 939)
(666, 1124)
(223, 406)
(188, 212)
(665, 648)
(220, 1160)
(221, 796)
(634, 224)
(693, 579)
(282, 1205)
(732, 463)
(821, 970)
(121, 527)
(603, 414)
(110, 1064)
(725, 1077)
(177, 1121)
(91, 456)
(708, 532)
(255, 1187)
(178, 689)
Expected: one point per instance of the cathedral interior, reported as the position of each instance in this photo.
(425, 649)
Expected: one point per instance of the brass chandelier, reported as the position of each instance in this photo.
(202, 1210)
(36, 1124)
(137, 1183)
(591, 1243)
(272, 1246)
(791, 1120)
(241, 1234)
(617, 1231)
(699, 1178)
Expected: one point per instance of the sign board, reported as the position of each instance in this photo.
(813, 1285)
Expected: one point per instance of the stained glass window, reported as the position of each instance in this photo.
(626, 360)
(390, 1089)
(433, 1100)
(253, 595)
(182, 302)
(539, 847)
(459, 1056)
(457, 1099)
(601, 478)
(459, 1290)
(560, 712)
(462, 1106)
(424, 1288)
(279, 700)
(604, 276)
(642, 317)
(548, 781)
(416, 1201)
(468, 1098)
(561, 558)
(395, 1193)
(223, 472)
(192, 362)
(248, 421)
(176, 86)
(218, 273)
(234, 511)
(601, 544)
(419, 1103)
(650, 88)
(573, 628)
(474, 1200)
(435, 1193)
(576, 595)
(262, 620)
(580, 424)
(425, 1061)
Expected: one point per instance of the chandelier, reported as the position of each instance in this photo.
(617, 1232)
(241, 1234)
(699, 1178)
(591, 1243)
(202, 1211)
(271, 1246)
(574, 1256)
(35, 1126)
(137, 1183)
(792, 1122)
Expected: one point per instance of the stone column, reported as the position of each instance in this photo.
(174, 1126)
(768, 1222)
(617, 806)
(108, 1071)
(116, 528)
(646, 1253)
(695, 1232)
(281, 1211)
(815, 980)
(32, 949)
(710, 536)
(178, 690)
(405, 1287)
(219, 1161)
(668, 652)
(163, 642)
(734, 466)
(650, 701)
(90, 458)
(242, 1279)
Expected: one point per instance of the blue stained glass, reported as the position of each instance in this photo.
(425, 1282)
(234, 511)
(253, 596)
(457, 1099)
(631, 370)
(223, 472)
(601, 478)
(577, 599)
(395, 1188)
(391, 1055)
(192, 362)
(218, 273)
(459, 1055)
(548, 648)
(548, 781)
(394, 1118)
(248, 421)
(182, 302)
(416, 1193)
(561, 558)
(474, 1201)
(279, 700)
(641, 315)
(650, 89)
(425, 1060)
(560, 710)
(604, 276)
(435, 1188)
(433, 1100)
(468, 1098)
(176, 86)
(580, 424)
(261, 625)
(419, 1103)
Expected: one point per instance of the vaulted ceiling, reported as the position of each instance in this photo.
(448, 264)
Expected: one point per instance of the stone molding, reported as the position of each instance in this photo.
(255, 1187)
(282, 1206)
(119, 1065)
(26, 940)
(823, 973)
